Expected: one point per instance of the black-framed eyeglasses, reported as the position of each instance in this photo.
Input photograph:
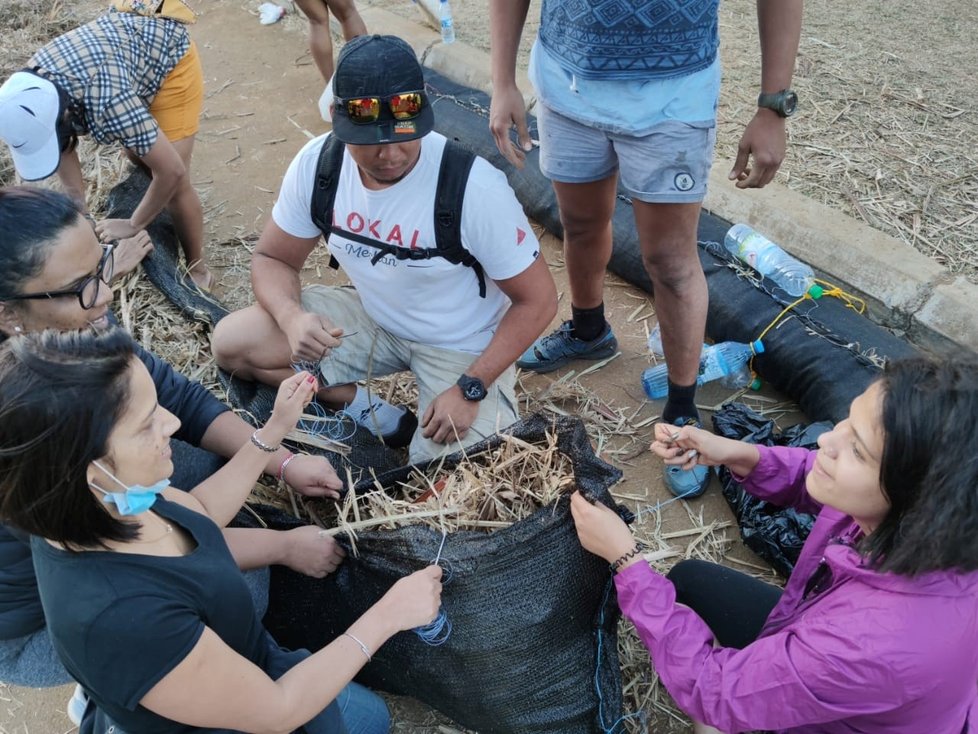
(366, 110)
(87, 289)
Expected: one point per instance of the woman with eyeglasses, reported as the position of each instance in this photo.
(144, 604)
(876, 631)
(54, 275)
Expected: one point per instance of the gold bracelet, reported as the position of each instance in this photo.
(262, 445)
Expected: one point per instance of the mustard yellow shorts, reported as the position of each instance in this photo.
(177, 105)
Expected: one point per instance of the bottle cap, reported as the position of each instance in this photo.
(816, 291)
(755, 384)
(757, 346)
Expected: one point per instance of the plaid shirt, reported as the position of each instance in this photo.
(115, 65)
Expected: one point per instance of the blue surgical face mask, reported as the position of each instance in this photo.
(136, 499)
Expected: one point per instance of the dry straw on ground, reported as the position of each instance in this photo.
(887, 128)
(880, 136)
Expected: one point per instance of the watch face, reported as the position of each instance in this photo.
(472, 388)
(789, 104)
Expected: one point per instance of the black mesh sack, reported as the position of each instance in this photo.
(163, 266)
(524, 603)
(774, 533)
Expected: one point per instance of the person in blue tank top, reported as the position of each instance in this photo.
(627, 91)
(140, 592)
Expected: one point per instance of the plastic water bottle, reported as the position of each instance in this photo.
(735, 380)
(789, 274)
(718, 361)
(447, 26)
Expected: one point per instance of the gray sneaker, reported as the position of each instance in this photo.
(561, 346)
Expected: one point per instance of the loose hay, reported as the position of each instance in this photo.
(872, 181)
(613, 430)
(487, 491)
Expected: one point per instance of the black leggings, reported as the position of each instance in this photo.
(733, 604)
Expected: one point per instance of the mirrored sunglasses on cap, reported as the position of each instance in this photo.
(366, 110)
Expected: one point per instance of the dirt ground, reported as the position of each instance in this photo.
(912, 174)
(887, 130)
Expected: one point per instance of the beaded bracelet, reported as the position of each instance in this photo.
(637, 550)
(285, 463)
(262, 445)
(363, 647)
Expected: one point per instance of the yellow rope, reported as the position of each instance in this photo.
(830, 289)
(825, 289)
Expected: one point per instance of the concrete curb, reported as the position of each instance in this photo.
(905, 290)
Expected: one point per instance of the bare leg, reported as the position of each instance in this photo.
(188, 219)
(348, 16)
(667, 233)
(585, 213)
(249, 344)
(699, 728)
(320, 40)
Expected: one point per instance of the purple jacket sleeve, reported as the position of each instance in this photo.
(779, 478)
(805, 675)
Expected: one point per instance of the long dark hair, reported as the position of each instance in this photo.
(61, 394)
(31, 220)
(929, 468)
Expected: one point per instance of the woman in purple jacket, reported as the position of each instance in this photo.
(877, 628)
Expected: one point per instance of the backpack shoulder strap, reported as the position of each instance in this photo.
(324, 187)
(456, 163)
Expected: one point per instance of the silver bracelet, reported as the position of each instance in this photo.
(262, 445)
(363, 647)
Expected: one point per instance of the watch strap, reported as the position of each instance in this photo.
(776, 101)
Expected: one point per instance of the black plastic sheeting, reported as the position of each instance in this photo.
(822, 357)
(165, 270)
(774, 533)
(527, 606)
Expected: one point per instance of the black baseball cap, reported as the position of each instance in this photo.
(378, 66)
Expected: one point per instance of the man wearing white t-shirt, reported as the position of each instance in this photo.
(427, 315)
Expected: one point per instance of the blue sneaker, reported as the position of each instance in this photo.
(561, 346)
(689, 483)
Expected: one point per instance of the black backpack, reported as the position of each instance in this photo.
(456, 162)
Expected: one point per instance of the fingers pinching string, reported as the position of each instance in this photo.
(438, 630)
(337, 426)
(691, 454)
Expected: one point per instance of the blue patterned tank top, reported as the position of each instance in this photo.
(628, 39)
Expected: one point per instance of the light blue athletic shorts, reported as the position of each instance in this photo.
(670, 165)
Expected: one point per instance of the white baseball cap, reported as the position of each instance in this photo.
(29, 109)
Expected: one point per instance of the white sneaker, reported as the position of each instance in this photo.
(326, 103)
(77, 705)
